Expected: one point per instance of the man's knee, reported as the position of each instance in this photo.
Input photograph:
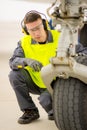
(12, 78)
(15, 77)
(12, 75)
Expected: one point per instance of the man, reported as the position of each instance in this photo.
(32, 53)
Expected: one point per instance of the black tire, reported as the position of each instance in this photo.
(70, 102)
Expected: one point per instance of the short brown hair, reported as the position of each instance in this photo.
(31, 17)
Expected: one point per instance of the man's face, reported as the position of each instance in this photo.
(36, 30)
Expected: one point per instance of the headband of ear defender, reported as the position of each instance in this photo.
(44, 20)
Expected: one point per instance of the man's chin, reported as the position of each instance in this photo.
(38, 40)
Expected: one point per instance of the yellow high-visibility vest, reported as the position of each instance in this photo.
(41, 53)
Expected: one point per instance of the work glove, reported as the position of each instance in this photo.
(19, 63)
(34, 64)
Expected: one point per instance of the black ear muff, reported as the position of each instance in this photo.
(24, 28)
(44, 24)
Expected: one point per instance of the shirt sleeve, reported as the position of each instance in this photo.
(17, 56)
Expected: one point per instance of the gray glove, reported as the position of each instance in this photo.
(36, 65)
(22, 62)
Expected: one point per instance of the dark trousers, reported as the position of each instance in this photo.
(23, 85)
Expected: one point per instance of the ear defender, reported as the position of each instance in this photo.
(45, 22)
(24, 28)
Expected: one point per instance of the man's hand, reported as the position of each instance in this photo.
(36, 65)
(22, 62)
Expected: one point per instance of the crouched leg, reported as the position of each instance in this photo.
(19, 81)
(45, 100)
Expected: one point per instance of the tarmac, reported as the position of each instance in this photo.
(10, 34)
